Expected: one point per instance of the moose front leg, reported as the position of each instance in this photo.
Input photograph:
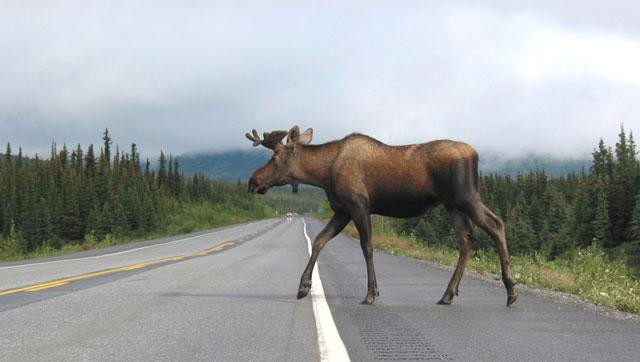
(333, 227)
(362, 219)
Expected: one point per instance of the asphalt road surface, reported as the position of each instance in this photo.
(229, 294)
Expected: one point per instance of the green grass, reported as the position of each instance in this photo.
(175, 218)
(588, 273)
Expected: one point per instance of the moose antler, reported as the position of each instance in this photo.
(269, 139)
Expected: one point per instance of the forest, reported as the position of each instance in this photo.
(79, 196)
(552, 216)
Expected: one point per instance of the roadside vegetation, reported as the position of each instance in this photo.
(578, 233)
(83, 199)
(308, 199)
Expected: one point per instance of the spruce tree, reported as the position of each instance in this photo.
(72, 224)
(162, 170)
(634, 227)
(602, 161)
(558, 218)
(600, 224)
(170, 178)
(622, 189)
(102, 180)
(107, 145)
(519, 232)
(78, 164)
(135, 158)
(90, 163)
(7, 158)
(177, 179)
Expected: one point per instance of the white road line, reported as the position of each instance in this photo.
(331, 346)
(121, 252)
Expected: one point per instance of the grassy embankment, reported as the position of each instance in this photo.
(175, 218)
(588, 273)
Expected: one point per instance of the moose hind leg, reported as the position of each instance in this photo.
(333, 227)
(463, 229)
(493, 226)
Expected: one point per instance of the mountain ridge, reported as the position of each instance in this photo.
(240, 164)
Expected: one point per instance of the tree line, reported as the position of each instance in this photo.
(554, 216)
(79, 193)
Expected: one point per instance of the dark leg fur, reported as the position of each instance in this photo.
(333, 227)
(492, 225)
(362, 220)
(463, 229)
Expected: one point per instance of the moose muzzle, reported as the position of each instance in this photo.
(256, 186)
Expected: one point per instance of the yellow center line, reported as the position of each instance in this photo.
(216, 248)
(65, 281)
(133, 267)
(47, 286)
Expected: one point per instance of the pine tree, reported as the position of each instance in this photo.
(602, 161)
(600, 224)
(44, 226)
(119, 222)
(148, 214)
(634, 229)
(135, 158)
(162, 170)
(424, 231)
(538, 216)
(177, 179)
(90, 163)
(7, 158)
(102, 180)
(558, 218)
(107, 145)
(78, 161)
(519, 232)
(170, 178)
(622, 189)
(72, 224)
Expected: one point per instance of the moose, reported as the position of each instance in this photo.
(363, 176)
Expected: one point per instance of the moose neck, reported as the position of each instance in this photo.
(313, 164)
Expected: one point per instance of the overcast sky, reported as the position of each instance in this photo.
(188, 76)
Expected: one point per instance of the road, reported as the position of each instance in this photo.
(229, 294)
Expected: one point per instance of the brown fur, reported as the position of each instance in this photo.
(362, 176)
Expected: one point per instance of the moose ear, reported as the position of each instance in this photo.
(306, 136)
(294, 135)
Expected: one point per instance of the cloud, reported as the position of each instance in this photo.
(190, 76)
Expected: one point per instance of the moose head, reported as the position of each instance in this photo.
(280, 168)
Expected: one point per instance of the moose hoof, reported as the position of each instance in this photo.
(512, 298)
(368, 300)
(302, 292)
(445, 301)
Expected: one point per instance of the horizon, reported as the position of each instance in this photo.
(98, 146)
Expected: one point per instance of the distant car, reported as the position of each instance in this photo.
(289, 215)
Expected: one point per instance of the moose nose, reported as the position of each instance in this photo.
(257, 186)
(252, 184)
